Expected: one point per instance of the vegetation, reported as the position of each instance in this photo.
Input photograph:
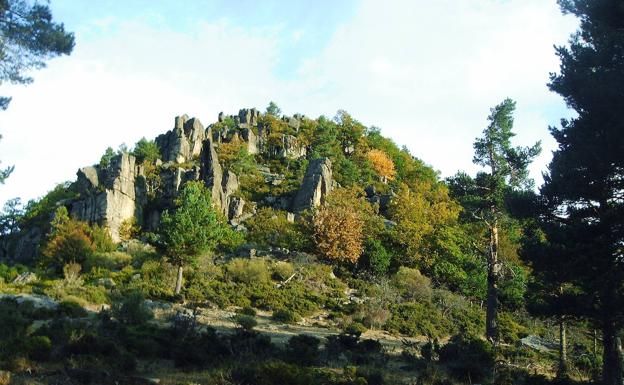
(194, 228)
(396, 276)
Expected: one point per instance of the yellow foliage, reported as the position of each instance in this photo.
(340, 224)
(420, 211)
(382, 164)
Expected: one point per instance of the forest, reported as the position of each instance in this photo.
(274, 249)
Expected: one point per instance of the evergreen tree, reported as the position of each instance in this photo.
(584, 186)
(192, 229)
(28, 38)
(506, 170)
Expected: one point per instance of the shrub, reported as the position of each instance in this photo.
(271, 227)
(467, 358)
(245, 322)
(156, 279)
(282, 270)
(71, 309)
(355, 329)
(247, 310)
(303, 349)
(286, 316)
(131, 309)
(509, 330)
(38, 348)
(418, 319)
(71, 274)
(375, 258)
(248, 270)
(113, 260)
(412, 284)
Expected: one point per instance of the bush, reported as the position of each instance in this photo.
(247, 310)
(412, 284)
(418, 319)
(355, 329)
(375, 258)
(467, 358)
(156, 280)
(38, 348)
(286, 316)
(113, 260)
(303, 349)
(271, 228)
(508, 329)
(71, 309)
(131, 309)
(248, 270)
(282, 270)
(245, 322)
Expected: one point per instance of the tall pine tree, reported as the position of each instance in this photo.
(584, 186)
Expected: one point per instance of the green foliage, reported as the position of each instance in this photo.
(107, 157)
(271, 228)
(71, 309)
(467, 358)
(146, 151)
(29, 38)
(412, 284)
(273, 110)
(38, 213)
(69, 242)
(375, 258)
(194, 228)
(417, 319)
(303, 349)
(130, 309)
(286, 316)
(245, 322)
(248, 270)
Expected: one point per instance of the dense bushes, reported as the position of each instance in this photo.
(467, 358)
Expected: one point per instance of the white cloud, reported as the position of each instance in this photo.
(425, 72)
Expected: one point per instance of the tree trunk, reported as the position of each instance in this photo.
(178, 285)
(611, 359)
(491, 323)
(562, 371)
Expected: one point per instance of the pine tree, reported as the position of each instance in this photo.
(506, 169)
(584, 187)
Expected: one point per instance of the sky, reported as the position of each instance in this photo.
(425, 72)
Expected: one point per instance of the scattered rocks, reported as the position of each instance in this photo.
(38, 301)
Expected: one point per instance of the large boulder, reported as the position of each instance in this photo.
(317, 183)
(183, 142)
(109, 196)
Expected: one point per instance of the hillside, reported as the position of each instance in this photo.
(265, 249)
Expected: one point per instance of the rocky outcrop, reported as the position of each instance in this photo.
(111, 195)
(248, 117)
(183, 142)
(221, 185)
(317, 183)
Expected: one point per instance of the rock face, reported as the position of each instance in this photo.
(111, 195)
(317, 183)
(183, 142)
(221, 185)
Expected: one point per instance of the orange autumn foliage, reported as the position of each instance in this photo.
(382, 164)
(339, 226)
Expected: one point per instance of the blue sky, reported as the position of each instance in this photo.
(425, 72)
